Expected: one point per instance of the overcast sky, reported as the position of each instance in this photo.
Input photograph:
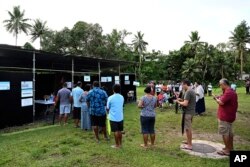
(165, 23)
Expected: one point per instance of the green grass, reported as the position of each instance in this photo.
(68, 146)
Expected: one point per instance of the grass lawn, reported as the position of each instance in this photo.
(67, 146)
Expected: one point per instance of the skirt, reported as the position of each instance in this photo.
(200, 106)
(85, 120)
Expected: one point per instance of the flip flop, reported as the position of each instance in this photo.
(186, 147)
(223, 153)
(115, 147)
(184, 142)
(143, 145)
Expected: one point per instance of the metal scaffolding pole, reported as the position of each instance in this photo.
(34, 84)
(72, 72)
(119, 68)
(99, 72)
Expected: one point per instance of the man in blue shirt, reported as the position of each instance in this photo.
(115, 111)
(96, 100)
(76, 95)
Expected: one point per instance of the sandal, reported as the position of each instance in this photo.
(144, 146)
(186, 147)
(115, 147)
(223, 153)
(184, 142)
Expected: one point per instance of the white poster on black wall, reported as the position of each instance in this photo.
(26, 102)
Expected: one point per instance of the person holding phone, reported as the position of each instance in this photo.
(228, 105)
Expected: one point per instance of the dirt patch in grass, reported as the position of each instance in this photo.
(100, 160)
(55, 155)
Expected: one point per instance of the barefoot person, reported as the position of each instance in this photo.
(115, 114)
(188, 106)
(148, 103)
(228, 104)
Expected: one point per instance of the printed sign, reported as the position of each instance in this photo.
(4, 85)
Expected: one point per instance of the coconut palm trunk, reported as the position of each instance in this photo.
(16, 39)
(241, 62)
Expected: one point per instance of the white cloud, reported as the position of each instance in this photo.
(165, 23)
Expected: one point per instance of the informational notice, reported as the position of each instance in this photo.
(27, 93)
(135, 83)
(26, 89)
(4, 85)
(109, 79)
(103, 79)
(117, 78)
(69, 84)
(126, 77)
(27, 102)
(86, 78)
(26, 85)
(126, 82)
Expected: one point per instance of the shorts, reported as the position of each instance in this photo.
(77, 113)
(147, 125)
(188, 122)
(225, 128)
(98, 120)
(64, 109)
(116, 126)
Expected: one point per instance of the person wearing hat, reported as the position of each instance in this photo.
(76, 96)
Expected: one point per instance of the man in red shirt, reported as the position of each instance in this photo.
(228, 104)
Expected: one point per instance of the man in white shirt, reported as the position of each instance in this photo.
(158, 88)
(75, 96)
(209, 89)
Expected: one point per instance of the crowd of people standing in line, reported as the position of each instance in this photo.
(92, 107)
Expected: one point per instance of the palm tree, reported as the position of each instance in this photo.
(240, 37)
(204, 58)
(17, 23)
(191, 70)
(222, 65)
(38, 30)
(139, 47)
(194, 42)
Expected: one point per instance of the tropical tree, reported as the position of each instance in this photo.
(28, 46)
(222, 63)
(38, 30)
(139, 46)
(190, 70)
(194, 43)
(204, 58)
(240, 37)
(17, 23)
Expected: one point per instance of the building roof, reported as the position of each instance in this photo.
(19, 58)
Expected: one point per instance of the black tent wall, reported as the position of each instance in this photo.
(11, 112)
